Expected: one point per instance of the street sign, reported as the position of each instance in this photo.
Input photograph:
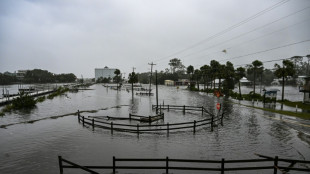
(218, 106)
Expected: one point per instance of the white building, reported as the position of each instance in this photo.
(105, 72)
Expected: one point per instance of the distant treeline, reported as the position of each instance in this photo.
(37, 76)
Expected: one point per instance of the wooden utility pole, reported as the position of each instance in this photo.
(133, 70)
(156, 93)
(151, 77)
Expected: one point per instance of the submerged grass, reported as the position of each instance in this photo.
(302, 115)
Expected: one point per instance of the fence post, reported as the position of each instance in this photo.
(194, 126)
(138, 129)
(167, 165)
(184, 109)
(160, 109)
(60, 165)
(83, 120)
(112, 127)
(222, 119)
(275, 170)
(130, 116)
(168, 107)
(222, 166)
(149, 120)
(168, 129)
(201, 110)
(113, 164)
(78, 113)
(212, 123)
(93, 123)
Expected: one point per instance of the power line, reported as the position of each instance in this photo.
(266, 50)
(248, 32)
(259, 37)
(229, 28)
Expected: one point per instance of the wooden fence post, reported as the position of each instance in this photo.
(150, 120)
(184, 109)
(114, 164)
(194, 126)
(112, 127)
(130, 116)
(138, 129)
(83, 120)
(222, 166)
(159, 109)
(222, 119)
(168, 129)
(78, 113)
(275, 170)
(168, 107)
(60, 165)
(212, 123)
(201, 110)
(93, 123)
(167, 165)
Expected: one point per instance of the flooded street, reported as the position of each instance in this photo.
(32, 140)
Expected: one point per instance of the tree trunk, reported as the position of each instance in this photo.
(282, 88)
(240, 91)
(254, 81)
(197, 84)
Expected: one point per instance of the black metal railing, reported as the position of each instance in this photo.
(168, 164)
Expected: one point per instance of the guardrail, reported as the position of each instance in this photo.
(169, 164)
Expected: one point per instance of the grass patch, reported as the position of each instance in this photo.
(41, 99)
(58, 92)
(293, 104)
(302, 115)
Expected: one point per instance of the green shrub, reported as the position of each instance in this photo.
(23, 101)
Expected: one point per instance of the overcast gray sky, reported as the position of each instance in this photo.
(77, 36)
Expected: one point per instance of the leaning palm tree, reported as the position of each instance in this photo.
(256, 67)
(286, 70)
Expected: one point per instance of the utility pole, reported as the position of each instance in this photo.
(151, 77)
(133, 70)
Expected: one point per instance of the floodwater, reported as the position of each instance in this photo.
(31, 140)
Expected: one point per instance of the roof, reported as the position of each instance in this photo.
(244, 80)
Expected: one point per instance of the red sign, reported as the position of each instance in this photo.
(218, 106)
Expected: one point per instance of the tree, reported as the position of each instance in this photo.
(256, 67)
(215, 65)
(133, 78)
(190, 71)
(240, 73)
(197, 76)
(228, 74)
(117, 78)
(176, 66)
(205, 72)
(286, 70)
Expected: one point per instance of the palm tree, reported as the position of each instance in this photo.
(117, 78)
(256, 67)
(287, 69)
(240, 73)
(214, 71)
(228, 74)
(190, 71)
(205, 71)
(197, 74)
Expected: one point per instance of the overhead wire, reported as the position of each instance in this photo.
(250, 54)
(228, 29)
(255, 29)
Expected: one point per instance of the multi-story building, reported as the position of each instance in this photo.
(105, 72)
(21, 74)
